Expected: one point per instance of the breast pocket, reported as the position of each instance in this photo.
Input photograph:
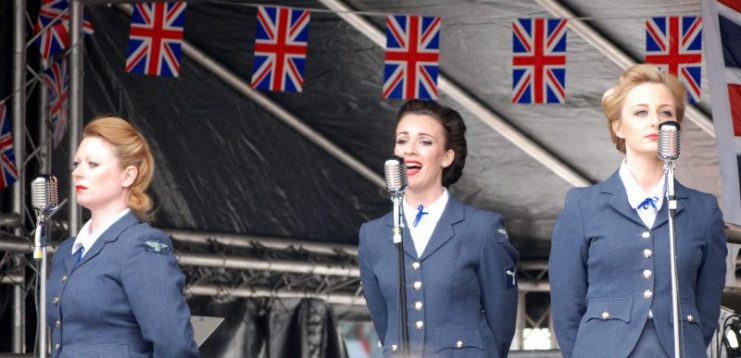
(104, 351)
(458, 342)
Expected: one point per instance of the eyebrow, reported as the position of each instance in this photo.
(420, 133)
(660, 106)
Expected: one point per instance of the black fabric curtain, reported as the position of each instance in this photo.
(270, 328)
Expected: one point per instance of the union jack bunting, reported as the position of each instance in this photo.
(674, 44)
(281, 43)
(7, 153)
(156, 38)
(539, 61)
(412, 58)
(55, 14)
(56, 79)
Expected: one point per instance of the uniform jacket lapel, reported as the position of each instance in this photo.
(444, 231)
(407, 236)
(680, 191)
(109, 235)
(69, 259)
(619, 200)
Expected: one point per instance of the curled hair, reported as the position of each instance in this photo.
(614, 98)
(455, 133)
(131, 150)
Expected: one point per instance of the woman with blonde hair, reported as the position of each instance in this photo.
(116, 289)
(609, 265)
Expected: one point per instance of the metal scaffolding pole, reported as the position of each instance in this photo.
(519, 342)
(243, 263)
(220, 291)
(75, 105)
(19, 141)
(237, 240)
(45, 144)
(552, 336)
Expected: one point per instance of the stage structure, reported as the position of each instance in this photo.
(231, 265)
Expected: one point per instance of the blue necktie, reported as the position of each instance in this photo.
(78, 254)
(648, 202)
(418, 217)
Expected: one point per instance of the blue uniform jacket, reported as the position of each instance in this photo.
(123, 299)
(461, 294)
(607, 269)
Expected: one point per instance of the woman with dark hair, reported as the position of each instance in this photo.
(609, 265)
(459, 264)
(115, 290)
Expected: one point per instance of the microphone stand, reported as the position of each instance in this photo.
(396, 198)
(672, 206)
(40, 255)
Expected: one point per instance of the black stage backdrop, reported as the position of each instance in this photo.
(270, 328)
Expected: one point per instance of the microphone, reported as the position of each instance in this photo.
(669, 141)
(45, 200)
(44, 194)
(395, 173)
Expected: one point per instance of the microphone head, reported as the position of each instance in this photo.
(669, 140)
(44, 193)
(395, 173)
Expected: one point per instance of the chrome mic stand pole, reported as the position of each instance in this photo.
(399, 242)
(676, 315)
(40, 255)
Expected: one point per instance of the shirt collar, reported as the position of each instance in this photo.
(435, 209)
(636, 195)
(86, 239)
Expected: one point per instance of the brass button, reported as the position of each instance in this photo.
(648, 294)
(459, 344)
(690, 318)
(416, 265)
(646, 235)
(418, 305)
(417, 285)
(419, 325)
(55, 300)
(605, 315)
(647, 274)
(57, 323)
(64, 278)
(57, 346)
(650, 314)
(647, 253)
(394, 348)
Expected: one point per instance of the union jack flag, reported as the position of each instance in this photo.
(539, 61)
(56, 79)
(55, 14)
(674, 44)
(412, 57)
(7, 153)
(156, 38)
(281, 43)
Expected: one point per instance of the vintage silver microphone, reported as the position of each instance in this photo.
(669, 152)
(395, 173)
(45, 200)
(669, 141)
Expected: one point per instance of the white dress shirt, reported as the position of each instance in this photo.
(636, 195)
(422, 232)
(86, 238)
